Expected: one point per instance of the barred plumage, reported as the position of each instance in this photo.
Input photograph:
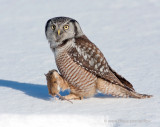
(81, 80)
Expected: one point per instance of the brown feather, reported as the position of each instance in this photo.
(88, 56)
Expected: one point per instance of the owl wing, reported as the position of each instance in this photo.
(89, 57)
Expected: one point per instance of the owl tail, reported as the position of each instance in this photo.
(139, 96)
(118, 91)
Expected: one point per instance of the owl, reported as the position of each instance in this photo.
(81, 64)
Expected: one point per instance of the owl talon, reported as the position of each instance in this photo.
(63, 98)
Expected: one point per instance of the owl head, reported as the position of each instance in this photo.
(59, 29)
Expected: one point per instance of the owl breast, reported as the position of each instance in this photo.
(82, 82)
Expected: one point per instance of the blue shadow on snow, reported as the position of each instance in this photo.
(34, 90)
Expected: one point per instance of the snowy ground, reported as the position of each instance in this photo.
(127, 32)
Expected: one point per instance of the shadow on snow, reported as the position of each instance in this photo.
(34, 90)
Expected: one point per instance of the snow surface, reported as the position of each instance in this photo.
(127, 32)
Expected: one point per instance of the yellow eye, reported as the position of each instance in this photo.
(53, 27)
(66, 27)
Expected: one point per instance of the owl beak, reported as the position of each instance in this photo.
(59, 32)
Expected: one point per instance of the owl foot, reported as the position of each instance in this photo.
(63, 98)
(73, 97)
(70, 97)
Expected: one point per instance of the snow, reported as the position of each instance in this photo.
(127, 32)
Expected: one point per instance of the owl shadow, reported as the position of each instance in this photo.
(33, 90)
(101, 95)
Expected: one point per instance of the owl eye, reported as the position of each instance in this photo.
(66, 27)
(53, 27)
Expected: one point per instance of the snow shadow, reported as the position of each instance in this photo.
(34, 90)
(101, 95)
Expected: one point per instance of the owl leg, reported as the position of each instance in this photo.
(73, 97)
(116, 90)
